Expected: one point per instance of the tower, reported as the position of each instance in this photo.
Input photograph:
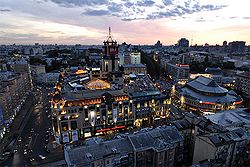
(110, 58)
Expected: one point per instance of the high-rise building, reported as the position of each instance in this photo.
(135, 57)
(224, 44)
(183, 43)
(237, 46)
(178, 72)
(243, 82)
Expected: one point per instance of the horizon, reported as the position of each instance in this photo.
(135, 22)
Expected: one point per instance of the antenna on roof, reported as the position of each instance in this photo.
(192, 40)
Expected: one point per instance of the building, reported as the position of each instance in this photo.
(96, 152)
(178, 72)
(134, 69)
(96, 101)
(48, 79)
(239, 117)
(135, 57)
(216, 73)
(124, 58)
(183, 43)
(162, 146)
(221, 139)
(150, 106)
(89, 109)
(37, 69)
(243, 82)
(224, 43)
(225, 148)
(203, 95)
(158, 44)
(85, 108)
(14, 89)
(237, 46)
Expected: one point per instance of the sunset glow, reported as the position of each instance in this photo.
(136, 22)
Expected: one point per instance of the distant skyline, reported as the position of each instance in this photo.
(132, 21)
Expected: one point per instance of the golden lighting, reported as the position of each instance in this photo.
(63, 112)
(138, 123)
(97, 84)
(78, 72)
(182, 100)
(121, 98)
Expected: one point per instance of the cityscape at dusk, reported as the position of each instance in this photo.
(124, 83)
(136, 22)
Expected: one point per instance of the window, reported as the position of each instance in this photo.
(73, 125)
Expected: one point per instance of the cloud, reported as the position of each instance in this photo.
(5, 10)
(145, 3)
(91, 12)
(76, 3)
(167, 2)
(246, 17)
(128, 10)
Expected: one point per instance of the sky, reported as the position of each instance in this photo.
(131, 21)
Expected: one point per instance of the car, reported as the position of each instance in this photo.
(47, 136)
(6, 153)
(47, 150)
(42, 157)
(14, 151)
(31, 159)
(49, 116)
(47, 141)
(25, 152)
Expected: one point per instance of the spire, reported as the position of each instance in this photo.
(109, 31)
(110, 36)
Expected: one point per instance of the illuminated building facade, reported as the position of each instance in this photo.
(204, 95)
(88, 112)
(94, 102)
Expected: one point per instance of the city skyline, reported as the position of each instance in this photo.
(136, 22)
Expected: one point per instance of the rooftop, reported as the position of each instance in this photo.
(134, 65)
(244, 74)
(148, 138)
(230, 118)
(207, 85)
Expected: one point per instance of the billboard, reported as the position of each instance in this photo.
(1, 116)
(65, 137)
(74, 135)
(57, 138)
(115, 114)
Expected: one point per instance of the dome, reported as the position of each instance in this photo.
(97, 84)
(206, 85)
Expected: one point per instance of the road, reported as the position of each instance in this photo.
(33, 137)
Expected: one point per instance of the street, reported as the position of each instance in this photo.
(34, 147)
